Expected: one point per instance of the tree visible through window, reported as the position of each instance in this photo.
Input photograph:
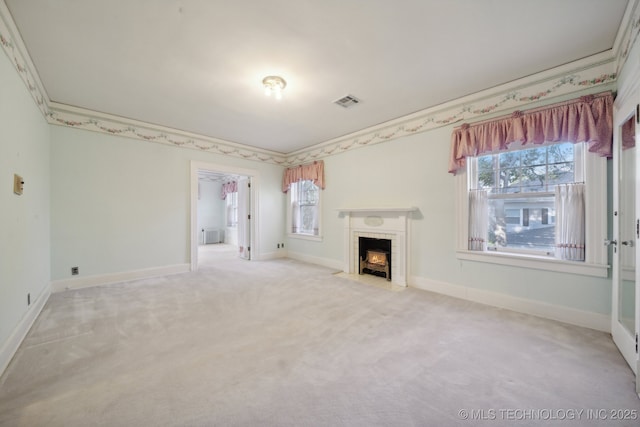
(520, 186)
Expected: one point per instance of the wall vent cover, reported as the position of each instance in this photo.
(347, 101)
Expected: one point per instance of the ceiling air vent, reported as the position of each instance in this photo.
(347, 101)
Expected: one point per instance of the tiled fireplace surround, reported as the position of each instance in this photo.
(378, 223)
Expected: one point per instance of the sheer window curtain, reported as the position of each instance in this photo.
(478, 220)
(570, 222)
(304, 217)
(309, 219)
(295, 217)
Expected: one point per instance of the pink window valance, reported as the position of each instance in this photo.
(587, 119)
(310, 171)
(228, 188)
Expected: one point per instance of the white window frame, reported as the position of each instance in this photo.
(303, 236)
(579, 172)
(595, 264)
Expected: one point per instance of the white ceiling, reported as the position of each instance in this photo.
(197, 65)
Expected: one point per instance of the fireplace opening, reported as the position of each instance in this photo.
(375, 256)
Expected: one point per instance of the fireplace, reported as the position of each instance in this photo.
(375, 256)
(390, 224)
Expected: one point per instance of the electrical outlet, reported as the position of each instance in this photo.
(18, 184)
(75, 271)
(28, 300)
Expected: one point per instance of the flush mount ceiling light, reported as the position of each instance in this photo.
(275, 85)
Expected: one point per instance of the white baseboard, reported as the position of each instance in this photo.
(10, 347)
(569, 315)
(329, 263)
(105, 279)
(272, 255)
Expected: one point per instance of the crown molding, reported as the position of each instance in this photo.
(64, 115)
(15, 50)
(592, 72)
(627, 34)
(598, 72)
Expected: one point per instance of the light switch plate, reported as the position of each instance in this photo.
(18, 184)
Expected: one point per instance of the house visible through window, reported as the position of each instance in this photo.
(526, 199)
(520, 187)
(305, 208)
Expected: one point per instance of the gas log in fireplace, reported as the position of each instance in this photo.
(375, 256)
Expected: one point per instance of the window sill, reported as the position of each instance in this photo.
(305, 237)
(536, 262)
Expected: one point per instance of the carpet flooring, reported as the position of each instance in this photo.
(285, 343)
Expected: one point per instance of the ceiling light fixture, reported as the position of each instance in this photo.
(275, 85)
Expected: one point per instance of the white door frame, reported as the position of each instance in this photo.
(625, 105)
(255, 185)
(244, 218)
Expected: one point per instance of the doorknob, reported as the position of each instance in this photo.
(627, 243)
(610, 242)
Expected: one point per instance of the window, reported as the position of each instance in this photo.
(520, 219)
(232, 209)
(523, 161)
(520, 185)
(304, 209)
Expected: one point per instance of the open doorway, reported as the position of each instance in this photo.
(223, 206)
(219, 200)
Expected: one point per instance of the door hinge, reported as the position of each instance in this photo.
(248, 216)
(249, 250)
(638, 113)
(638, 228)
(636, 343)
(249, 184)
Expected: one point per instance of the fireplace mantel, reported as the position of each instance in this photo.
(391, 223)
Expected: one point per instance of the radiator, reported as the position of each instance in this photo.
(211, 235)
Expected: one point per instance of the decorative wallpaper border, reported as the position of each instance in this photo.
(89, 120)
(12, 45)
(506, 97)
(598, 71)
(476, 107)
(62, 115)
